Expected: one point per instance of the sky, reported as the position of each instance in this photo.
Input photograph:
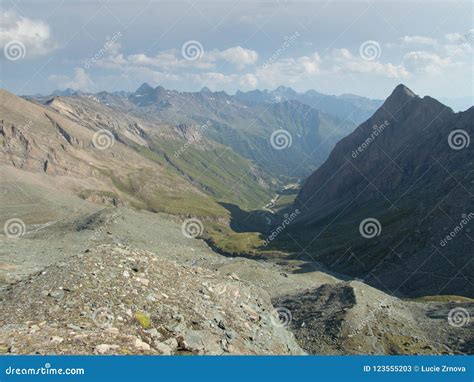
(335, 47)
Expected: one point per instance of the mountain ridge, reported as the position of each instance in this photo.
(413, 181)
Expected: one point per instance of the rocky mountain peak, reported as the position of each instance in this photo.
(144, 88)
(402, 91)
(400, 97)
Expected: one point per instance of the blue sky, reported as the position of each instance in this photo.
(360, 47)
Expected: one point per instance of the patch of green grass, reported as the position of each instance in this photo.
(232, 242)
(84, 194)
(284, 201)
(217, 170)
(143, 320)
(150, 196)
(443, 298)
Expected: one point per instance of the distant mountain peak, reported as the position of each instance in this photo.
(401, 91)
(283, 88)
(400, 97)
(145, 87)
(205, 89)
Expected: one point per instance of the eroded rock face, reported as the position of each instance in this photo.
(98, 302)
(353, 318)
(410, 168)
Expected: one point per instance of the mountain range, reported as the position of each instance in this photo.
(409, 168)
(363, 232)
(242, 125)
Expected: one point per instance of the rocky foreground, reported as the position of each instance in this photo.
(119, 281)
(114, 300)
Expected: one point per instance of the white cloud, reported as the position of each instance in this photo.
(435, 56)
(171, 60)
(80, 81)
(343, 61)
(417, 57)
(248, 81)
(237, 56)
(426, 62)
(35, 35)
(418, 40)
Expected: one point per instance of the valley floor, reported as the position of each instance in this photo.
(113, 280)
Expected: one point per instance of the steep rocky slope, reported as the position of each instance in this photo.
(91, 272)
(307, 138)
(103, 281)
(122, 301)
(409, 169)
(182, 148)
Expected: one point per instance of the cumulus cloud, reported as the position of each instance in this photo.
(35, 35)
(343, 61)
(79, 81)
(424, 55)
(418, 40)
(172, 60)
(240, 68)
(237, 56)
(426, 62)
